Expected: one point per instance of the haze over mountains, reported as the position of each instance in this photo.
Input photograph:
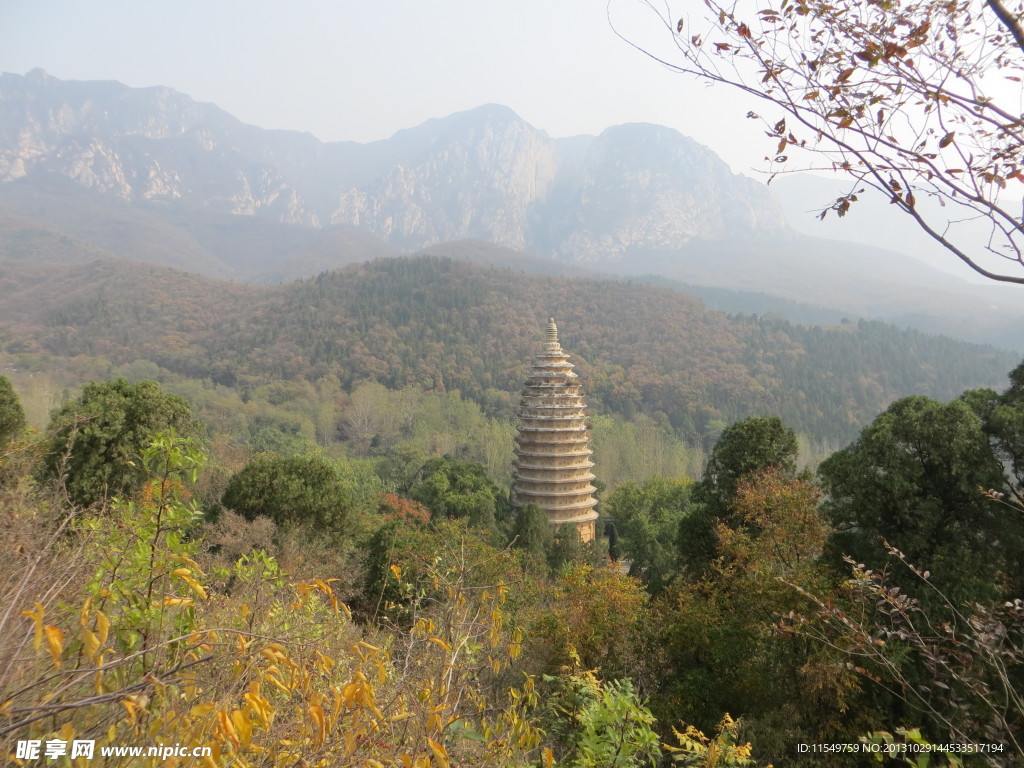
(149, 174)
(483, 174)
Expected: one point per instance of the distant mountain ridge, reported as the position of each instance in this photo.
(148, 174)
(481, 174)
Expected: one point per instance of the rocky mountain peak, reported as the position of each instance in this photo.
(483, 173)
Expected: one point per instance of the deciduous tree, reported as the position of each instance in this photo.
(459, 489)
(907, 97)
(532, 533)
(744, 449)
(647, 518)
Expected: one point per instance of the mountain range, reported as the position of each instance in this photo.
(482, 174)
(97, 168)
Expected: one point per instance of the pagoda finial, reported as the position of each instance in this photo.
(551, 337)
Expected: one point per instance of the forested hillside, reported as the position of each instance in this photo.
(441, 325)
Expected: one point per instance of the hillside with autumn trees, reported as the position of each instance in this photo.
(273, 523)
(438, 325)
(287, 604)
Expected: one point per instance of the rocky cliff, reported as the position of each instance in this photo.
(484, 174)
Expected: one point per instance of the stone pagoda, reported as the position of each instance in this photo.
(552, 465)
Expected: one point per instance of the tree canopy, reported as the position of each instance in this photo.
(96, 439)
(744, 449)
(915, 477)
(907, 97)
(12, 417)
(647, 518)
(532, 532)
(459, 489)
(291, 490)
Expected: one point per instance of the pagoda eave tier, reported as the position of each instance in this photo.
(521, 488)
(540, 474)
(558, 508)
(548, 468)
(555, 427)
(586, 453)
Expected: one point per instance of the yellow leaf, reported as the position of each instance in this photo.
(183, 601)
(85, 612)
(227, 728)
(55, 642)
(182, 572)
(549, 757)
(102, 627)
(195, 585)
(202, 710)
(272, 654)
(433, 724)
(316, 714)
(130, 706)
(260, 707)
(189, 561)
(37, 616)
(278, 684)
(243, 727)
(440, 642)
(90, 644)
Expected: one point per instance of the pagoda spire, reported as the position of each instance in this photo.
(552, 465)
(551, 337)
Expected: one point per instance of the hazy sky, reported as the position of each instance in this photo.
(363, 70)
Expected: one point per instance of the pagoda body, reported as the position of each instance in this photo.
(552, 465)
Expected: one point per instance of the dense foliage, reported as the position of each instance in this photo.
(745, 449)
(913, 477)
(436, 325)
(96, 437)
(343, 582)
(12, 415)
(420, 619)
(291, 490)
